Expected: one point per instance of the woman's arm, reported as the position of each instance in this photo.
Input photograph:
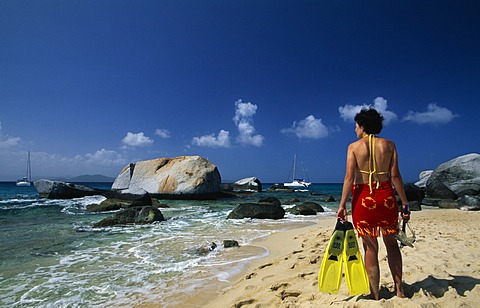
(347, 183)
(397, 180)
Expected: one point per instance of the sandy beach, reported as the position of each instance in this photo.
(442, 270)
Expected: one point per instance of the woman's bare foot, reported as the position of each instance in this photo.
(399, 291)
(373, 296)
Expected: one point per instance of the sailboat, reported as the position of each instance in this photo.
(26, 181)
(296, 182)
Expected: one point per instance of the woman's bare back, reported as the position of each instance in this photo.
(384, 150)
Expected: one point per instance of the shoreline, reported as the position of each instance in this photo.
(442, 270)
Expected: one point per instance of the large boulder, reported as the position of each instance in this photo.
(257, 210)
(184, 176)
(455, 178)
(62, 190)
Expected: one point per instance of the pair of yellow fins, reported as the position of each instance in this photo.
(343, 250)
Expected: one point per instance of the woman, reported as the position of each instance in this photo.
(372, 168)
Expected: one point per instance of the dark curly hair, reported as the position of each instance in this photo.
(370, 120)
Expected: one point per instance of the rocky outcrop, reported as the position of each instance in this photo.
(455, 178)
(180, 177)
(133, 215)
(62, 190)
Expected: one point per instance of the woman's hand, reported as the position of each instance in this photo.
(406, 212)
(342, 213)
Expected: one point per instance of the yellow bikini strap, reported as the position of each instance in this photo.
(372, 163)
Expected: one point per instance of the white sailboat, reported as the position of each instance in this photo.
(26, 181)
(297, 182)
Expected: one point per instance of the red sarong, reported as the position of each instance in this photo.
(376, 211)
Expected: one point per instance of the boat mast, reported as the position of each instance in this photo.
(29, 168)
(294, 165)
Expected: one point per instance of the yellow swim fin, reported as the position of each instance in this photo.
(330, 274)
(355, 272)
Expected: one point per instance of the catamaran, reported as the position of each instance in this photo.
(297, 182)
(26, 181)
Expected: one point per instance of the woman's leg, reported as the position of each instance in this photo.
(370, 244)
(394, 262)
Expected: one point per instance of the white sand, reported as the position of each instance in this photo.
(442, 270)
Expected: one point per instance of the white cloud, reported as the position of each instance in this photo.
(348, 112)
(105, 157)
(434, 115)
(307, 128)
(221, 141)
(162, 133)
(7, 142)
(243, 119)
(138, 139)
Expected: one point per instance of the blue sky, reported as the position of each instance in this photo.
(89, 86)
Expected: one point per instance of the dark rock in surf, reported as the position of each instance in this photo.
(205, 249)
(230, 244)
(302, 210)
(121, 201)
(314, 206)
(133, 215)
(270, 200)
(257, 210)
(280, 188)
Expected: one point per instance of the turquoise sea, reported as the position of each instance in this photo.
(50, 256)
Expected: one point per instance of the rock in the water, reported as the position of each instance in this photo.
(302, 209)
(230, 243)
(248, 184)
(118, 202)
(62, 190)
(180, 176)
(133, 215)
(280, 188)
(270, 200)
(314, 206)
(205, 249)
(455, 178)
(257, 210)
(329, 199)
